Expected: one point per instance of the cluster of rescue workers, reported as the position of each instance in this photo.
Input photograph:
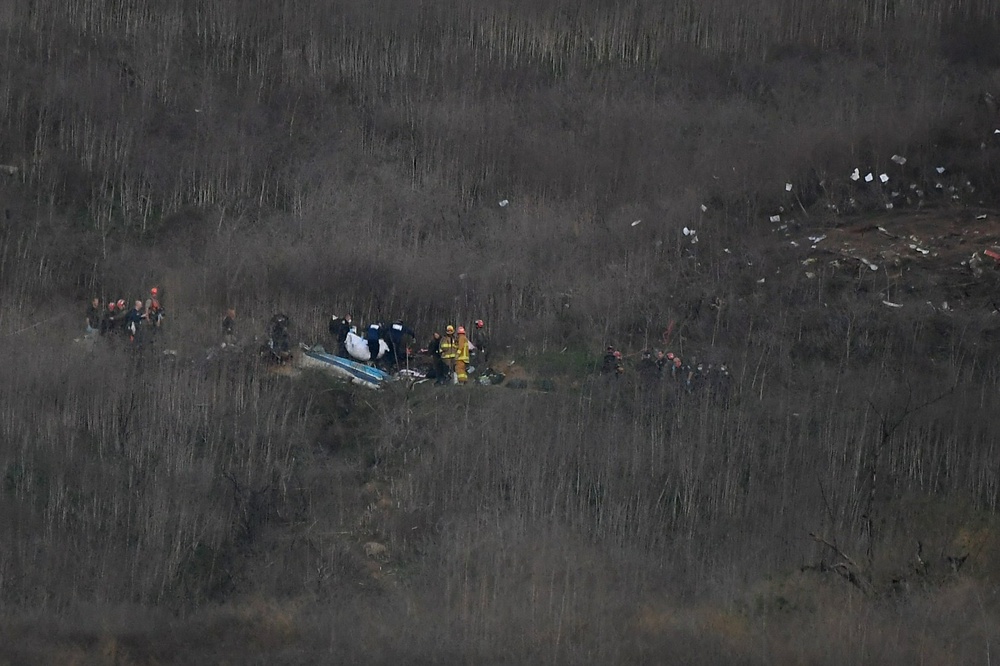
(136, 323)
(658, 364)
(389, 346)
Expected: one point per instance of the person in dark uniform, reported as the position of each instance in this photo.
(229, 328)
(373, 336)
(94, 312)
(339, 328)
(440, 371)
(397, 341)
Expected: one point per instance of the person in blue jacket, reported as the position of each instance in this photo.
(372, 337)
(397, 342)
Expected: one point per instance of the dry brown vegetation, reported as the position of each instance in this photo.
(840, 506)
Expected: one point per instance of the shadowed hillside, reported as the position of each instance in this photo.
(578, 175)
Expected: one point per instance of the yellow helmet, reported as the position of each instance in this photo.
(449, 328)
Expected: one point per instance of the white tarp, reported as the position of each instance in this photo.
(358, 348)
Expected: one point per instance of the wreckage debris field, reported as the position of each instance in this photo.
(949, 254)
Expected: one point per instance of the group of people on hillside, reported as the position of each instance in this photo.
(136, 323)
(450, 353)
(658, 364)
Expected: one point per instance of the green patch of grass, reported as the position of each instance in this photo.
(572, 362)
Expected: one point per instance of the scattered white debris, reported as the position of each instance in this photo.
(888, 206)
(939, 169)
(892, 305)
(869, 264)
(793, 244)
(776, 218)
(855, 174)
(869, 177)
(884, 178)
(816, 239)
(760, 281)
(636, 222)
(788, 187)
(503, 203)
(919, 249)
(898, 159)
(981, 217)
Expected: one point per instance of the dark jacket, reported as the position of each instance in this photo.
(94, 316)
(397, 330)
(339, 328)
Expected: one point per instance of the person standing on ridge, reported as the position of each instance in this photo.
(93, 317)
(372, 337)
(228, 328)
(481, 344)
(154, 309)
(449, 348)
(133, 323)
(339, 328)
(397, 339)
(440, 369)
(461, 356)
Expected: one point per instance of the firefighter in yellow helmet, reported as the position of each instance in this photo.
(462, 356)
(449, 348)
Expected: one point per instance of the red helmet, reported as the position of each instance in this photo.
(670, 355)
(461, 330)
(154, 291)
(618, 354)
(480, 323)
(111, 306)
(121, 303)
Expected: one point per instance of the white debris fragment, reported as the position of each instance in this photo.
(810, 275)
(884, 178)
(996, 131)
(944, 305)
(636, 222)
(775, 218)
(816, 239)
(503, 203)
(855, 174)
(726, 250)
(939, 169)
(888, 206)
(687, 232)
(869, 177)
(919, 249)
(793, 243)
(892, 305)
(869, 264)
(704, 208)
(788, 187)
(760, 281)
(898, 159)
(981, 217)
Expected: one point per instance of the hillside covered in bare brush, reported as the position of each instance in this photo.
(806, 192)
